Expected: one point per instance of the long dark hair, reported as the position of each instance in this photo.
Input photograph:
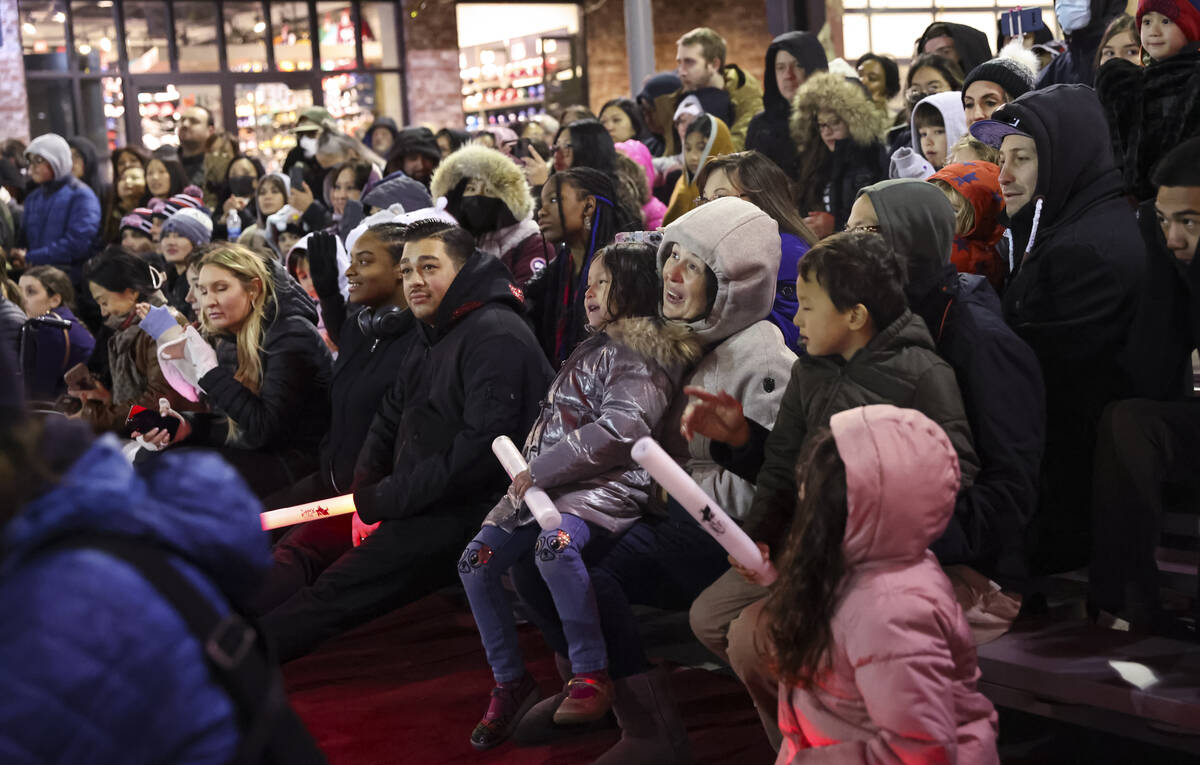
(633, 112)
(591, 146)
(812, 566)
(764, 185)
(179, 176)
(949, 69)
(117, 270)
(633, 288)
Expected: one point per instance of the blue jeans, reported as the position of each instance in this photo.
(557, 556)
(661, 562)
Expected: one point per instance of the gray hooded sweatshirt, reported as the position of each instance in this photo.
(744, 354)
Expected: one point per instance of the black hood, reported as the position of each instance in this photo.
(290, 297)
(91, 170)
(1075, 165)
(386, 123)
(483, 279)
(972, 45)
(659, 85)
(805, 48)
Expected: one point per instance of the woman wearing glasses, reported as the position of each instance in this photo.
(837, 132)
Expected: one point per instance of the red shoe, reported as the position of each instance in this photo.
(510, 702)
(589, 697)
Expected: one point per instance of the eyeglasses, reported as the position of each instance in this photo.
(916, 93)
(829, 126)
(863, 230)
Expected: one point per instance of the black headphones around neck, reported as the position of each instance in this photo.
(380, 323)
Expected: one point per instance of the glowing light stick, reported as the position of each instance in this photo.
(675, 480)
(539, 502)
(290, 516)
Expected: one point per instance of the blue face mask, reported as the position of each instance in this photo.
(1073, 15)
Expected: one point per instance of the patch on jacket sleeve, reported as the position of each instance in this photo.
(768, 384)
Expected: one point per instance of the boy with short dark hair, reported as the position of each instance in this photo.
(864, 347)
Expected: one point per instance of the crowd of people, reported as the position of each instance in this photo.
(923, 357)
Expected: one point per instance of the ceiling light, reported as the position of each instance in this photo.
(59, 17)
(85, 49)
(260, 27)
(105, 44)
(28, 28)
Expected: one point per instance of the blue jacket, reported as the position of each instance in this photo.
(783, 310)
(94, 665)
(62, 219)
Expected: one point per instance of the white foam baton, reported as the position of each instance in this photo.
(539, 502)
(290, 516)
(675, 480)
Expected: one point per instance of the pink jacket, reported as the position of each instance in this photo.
(902, 685)
(654, 210)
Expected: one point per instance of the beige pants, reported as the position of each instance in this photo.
(726, 619)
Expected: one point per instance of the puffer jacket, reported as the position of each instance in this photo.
(902, 685)
(290, 411)
(744, 354)
(475, 373)
(614, 389)
(899, 367)
(95, 666)
(654, 210)
(519, 243)
(62, 219)
(831, 180)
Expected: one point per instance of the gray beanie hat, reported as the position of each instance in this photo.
(191, 224)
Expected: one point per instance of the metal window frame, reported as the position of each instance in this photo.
(227, 81)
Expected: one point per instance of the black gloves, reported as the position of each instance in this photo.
(322, 263)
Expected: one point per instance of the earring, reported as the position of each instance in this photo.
(587, 222)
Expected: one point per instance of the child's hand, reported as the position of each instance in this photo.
(520, 484)
(718, 417)
(747, 574)
(359, 531)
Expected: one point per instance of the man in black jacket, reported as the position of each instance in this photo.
(998, 375)
(1079, 263)
(1152, 440)
(791, 59)
(426, 476)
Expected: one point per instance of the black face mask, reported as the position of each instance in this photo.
(479, 215)
(241, 185)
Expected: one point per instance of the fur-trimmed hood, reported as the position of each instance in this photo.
(826, 91)
(501, 177)
(670, 344)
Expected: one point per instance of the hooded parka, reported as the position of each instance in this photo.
(902, 681)
(614, 389)
(744, 354)
(516, 241)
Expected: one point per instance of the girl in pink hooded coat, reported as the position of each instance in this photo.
(874, 655)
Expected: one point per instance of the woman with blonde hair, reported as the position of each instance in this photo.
(265, 370)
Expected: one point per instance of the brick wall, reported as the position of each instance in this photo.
(744, 27)
(431, 59)
(14, 106)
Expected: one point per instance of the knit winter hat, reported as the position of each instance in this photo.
(1185, 13)
(1016, 78)
(55, 150)
(183, 201)
(192, 224)
(141, 219)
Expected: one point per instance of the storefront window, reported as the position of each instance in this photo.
(335, 33)
(43, 36)
(350, 99)
(293, 37)
(94, 31)
(146, 31)
(388, 99)
(381, 49)
(50, 108)
(266, 113)
(102, 117)
(245, 37)
(159, 110)
(890, 27)
(196, 37)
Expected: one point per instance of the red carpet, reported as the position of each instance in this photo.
(408, 688)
